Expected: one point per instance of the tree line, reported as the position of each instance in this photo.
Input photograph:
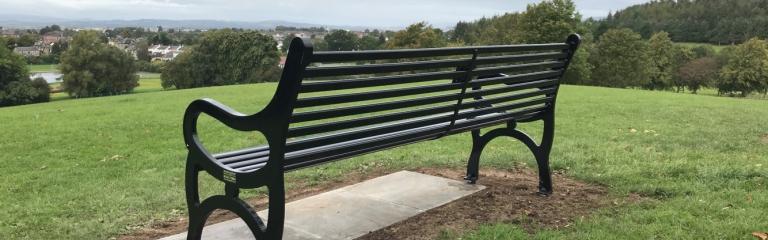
(712, 21)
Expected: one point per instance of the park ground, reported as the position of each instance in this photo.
(100, 168)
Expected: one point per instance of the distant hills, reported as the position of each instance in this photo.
(29, 21)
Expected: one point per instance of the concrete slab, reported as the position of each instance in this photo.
(355, 210)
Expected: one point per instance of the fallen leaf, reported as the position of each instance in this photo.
(760, 235)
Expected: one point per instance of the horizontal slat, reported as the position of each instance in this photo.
(370, 131)
(368, 121)
(377, 107)
(340, 150)
(476, 123)
(384, 67)
(332, 85)
(350, 149)
(521, 57)
(515, 68)
(240, 152)
(378, 130)
(364, 96)
(428, 52)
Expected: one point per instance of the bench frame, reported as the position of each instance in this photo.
(273, 123)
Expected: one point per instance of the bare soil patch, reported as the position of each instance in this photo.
(764, 138)
(510, 197)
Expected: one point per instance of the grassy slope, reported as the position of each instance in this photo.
(95, 168)
(691, 45)
(35, 68)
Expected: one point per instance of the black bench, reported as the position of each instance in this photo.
(334, 105)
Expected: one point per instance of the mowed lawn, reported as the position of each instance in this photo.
(100, 167)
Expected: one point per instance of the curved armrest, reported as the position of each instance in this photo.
(221, 112)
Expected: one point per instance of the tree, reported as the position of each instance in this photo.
(15, 86)
(225, 57)
(662, 52)
(701, 72)
(287, 42)
(48, 29)
(370, 42)
(419, 35)
(549, 21)
(746, 69)
(93, 68)
(620, 59)
(580, 69)
(142, 50)
(341, 40)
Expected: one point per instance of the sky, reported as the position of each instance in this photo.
(387, 13)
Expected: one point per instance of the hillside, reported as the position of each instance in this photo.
(100, 167)
(711, 21)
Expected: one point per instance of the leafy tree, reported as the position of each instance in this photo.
(15, 86)
(287, 42)
(701, 72)
(161, 38)
(680, 56)
(27, 40)
(746, 70)
(48, 29)
(702, 51)
(370, 42)
(580, 69)
(719, 22)
(341, 40)
(93, 68)
(662, 53)
(225, 57)
(621, 60)
(319, 44)
(419, 35)
(549, 21)
(142, 50)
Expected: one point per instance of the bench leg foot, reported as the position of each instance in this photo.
(473, 164)
(545, 176)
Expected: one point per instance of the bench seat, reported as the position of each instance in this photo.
(253, 158)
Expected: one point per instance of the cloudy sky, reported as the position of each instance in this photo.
(332, 12)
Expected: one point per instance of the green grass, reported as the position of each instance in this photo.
(717, 48)
(96, 168)
(36, 68)
(148, 82)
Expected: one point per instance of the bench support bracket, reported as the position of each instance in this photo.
(540, 151)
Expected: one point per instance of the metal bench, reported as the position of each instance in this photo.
(335, 105)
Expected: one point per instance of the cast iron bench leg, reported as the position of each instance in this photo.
(540, 151)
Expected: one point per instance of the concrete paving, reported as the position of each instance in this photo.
(354, 210)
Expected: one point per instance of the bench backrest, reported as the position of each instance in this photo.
(335, 97)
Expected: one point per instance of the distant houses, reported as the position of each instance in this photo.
(165, 52)
(53, 37)
(33, 51)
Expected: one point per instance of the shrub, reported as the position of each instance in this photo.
(15, 86)
(93, 68)
(225, 57)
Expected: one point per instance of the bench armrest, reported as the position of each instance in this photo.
(217, 110)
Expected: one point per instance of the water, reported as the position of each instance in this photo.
(50, 77)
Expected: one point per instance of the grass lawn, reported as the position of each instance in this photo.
(148, 82)
(99, 167)
(691, 45)
(36, 68)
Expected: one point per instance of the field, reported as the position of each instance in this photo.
(100, 167)
(717, 48)
(148, 82)
(43, 68)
